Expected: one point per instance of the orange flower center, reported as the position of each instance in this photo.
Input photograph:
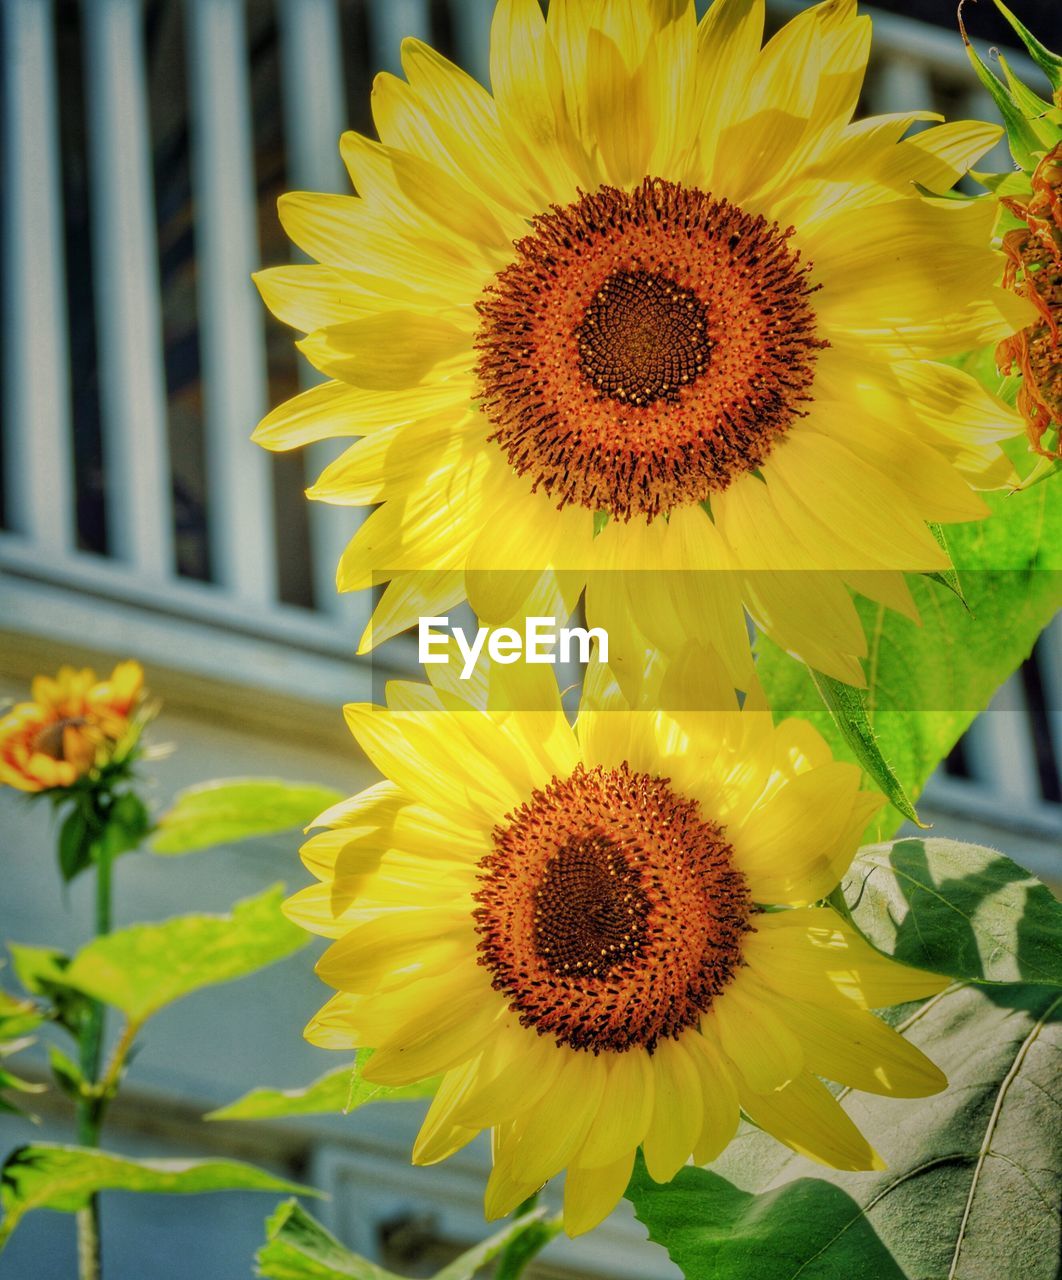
(645, 348)
(610, 912)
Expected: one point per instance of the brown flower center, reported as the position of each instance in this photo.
(645, 348)
(49, 740)
(642, 338)
(610, 912)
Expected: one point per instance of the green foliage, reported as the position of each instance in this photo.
(971, 1191)
(147, 966)
(18, 1018)
(1022, 135)
(66, 1178)
(1048, 62)
(848, 707)
(42, 971)
(236, 809)
(956, 909)
(299, 1248)
(925, 684)
(100, 826)
(341, 1090)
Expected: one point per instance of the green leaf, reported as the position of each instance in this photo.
(956, 909)
(533, 1226)
(42, 971)
(341, 1090)
(147, 966)
(1050, 63)
(946, 577)
(221, 812)
(75, 845)
(1031, 105)
(971, 1191)
(299, 1248)
(65, 1178)
(925, 684)
(18, 1017)
(66, 1071)
(1021, 137)
(849, 710)
(39, 969)
(126, 824)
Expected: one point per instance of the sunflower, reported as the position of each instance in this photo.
(72, 724)
(603, 937)
(655, 303)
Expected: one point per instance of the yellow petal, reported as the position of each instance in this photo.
(389, 351)
(439, 1136)
(523, 73)
(728, 44)
(549, 1136)
(811, 954)
(718, 1095)
(620, 1125)
(792, 847)
(590, 1195)
(336, 409)
(806, 1118)
(857, 1049)
(678, 1111)
(757, 1041)
(436, 1040)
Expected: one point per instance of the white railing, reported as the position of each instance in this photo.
(53, 589)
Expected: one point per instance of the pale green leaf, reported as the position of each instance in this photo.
(946, 577)
(849, 710)
(974, 1175)
(1050, 63)
(299, 1248)
(18, 1017)
(1021, 137)
(233, 809)
(147, 966)
(64, 1178)
(957, 909)
(343, 1089)
(534, 1228)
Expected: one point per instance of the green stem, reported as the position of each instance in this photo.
(90, 1105)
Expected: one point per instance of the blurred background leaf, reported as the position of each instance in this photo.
(341, 1090)
(220, 812)
(65, 1178)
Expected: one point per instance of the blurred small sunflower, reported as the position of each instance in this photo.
(72, 725)
(656, 303)
(603, 937)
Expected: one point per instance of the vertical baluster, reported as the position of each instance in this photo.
(128, 315)
(390, 21)
(999, 749)
(901, 83)
(231, 324)
(1050, 653)
(36, 371)
(314, 110)
(471, 19)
